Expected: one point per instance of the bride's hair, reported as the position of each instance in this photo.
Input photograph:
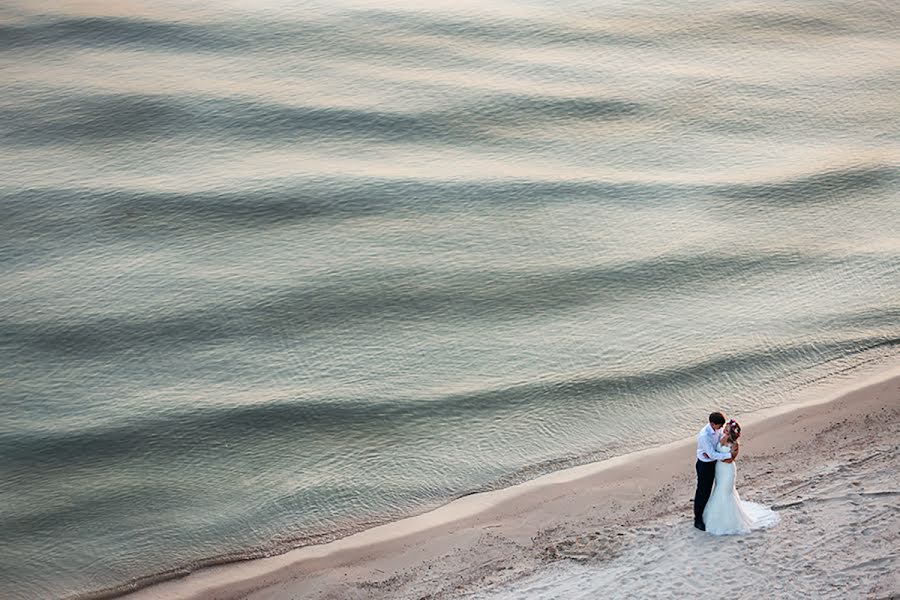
(734, 430)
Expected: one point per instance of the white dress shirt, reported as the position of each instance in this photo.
(706, 442)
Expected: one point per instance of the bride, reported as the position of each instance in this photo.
(726, 513)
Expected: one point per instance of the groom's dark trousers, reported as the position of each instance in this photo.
(706, 475)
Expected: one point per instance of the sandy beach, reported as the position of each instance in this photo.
(621, 528)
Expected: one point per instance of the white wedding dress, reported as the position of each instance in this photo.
(726, 513)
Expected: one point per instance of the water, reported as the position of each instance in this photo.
(274, 273)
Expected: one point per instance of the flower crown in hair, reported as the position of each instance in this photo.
(735, 429)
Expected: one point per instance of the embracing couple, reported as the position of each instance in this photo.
(717, 507)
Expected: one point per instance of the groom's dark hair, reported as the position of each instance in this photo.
(717, 418)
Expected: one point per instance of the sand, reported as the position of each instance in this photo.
(622, 528)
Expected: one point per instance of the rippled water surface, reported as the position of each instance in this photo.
(272, 272)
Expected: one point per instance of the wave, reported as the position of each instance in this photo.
(178, 433)
(85, 507)
(830, 185)
(89, 119)
(99, 32)
(36, 212)
(379, 26)
(130, 212)
(829, 22)
(643, 28)
(376, 30)
(884, 316)
(376, 34)
(385, 296)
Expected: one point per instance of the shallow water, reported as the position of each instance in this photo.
(274, 273)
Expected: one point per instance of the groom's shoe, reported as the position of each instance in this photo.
(700, 526)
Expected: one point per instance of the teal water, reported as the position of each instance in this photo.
(274, 274)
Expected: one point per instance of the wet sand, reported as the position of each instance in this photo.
(827, 464)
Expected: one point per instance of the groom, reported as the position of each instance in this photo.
(706, 464)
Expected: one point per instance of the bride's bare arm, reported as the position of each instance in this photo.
(735, 450)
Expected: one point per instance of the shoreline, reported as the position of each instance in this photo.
(506, 534)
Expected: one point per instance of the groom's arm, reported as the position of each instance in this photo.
(709, 449)
(735, 449)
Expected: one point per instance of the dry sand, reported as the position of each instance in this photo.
(622, 528)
